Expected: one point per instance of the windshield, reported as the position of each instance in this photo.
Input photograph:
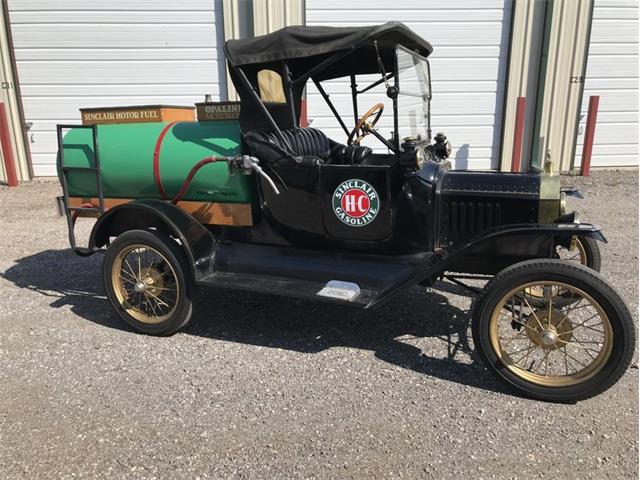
(414, 95)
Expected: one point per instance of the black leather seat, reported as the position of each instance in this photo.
(305, 142)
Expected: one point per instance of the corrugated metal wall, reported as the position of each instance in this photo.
(73, 53)
(612, 73)
(78, 53)
(468, 67)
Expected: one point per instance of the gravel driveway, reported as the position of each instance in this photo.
(267, 387)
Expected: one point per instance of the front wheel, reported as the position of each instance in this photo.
(573, 343)
(148, 282)
(582, 250)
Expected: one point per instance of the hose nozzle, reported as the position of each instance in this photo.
(246, 165)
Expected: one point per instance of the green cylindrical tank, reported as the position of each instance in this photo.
(126, 161)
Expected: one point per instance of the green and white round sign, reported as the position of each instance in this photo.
(355, 203)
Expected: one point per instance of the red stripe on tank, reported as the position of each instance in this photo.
(156, 160)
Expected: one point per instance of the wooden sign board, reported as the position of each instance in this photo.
(137, 114)
(218, 111)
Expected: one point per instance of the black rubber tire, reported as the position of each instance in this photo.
(592, 252)
(573, 274)
(592, 248)
(176, 257)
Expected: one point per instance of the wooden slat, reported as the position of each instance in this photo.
(177, 115)
(234, 214)
(108, 202)
(210, 213)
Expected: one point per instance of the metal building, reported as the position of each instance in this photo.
(57, 57)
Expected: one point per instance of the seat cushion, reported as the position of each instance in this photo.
(305, 142)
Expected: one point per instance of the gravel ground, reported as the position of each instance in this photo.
(264, 387)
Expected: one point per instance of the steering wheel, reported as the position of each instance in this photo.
(363, 127)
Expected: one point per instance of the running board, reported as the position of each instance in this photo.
(346, 278)
(291, 288)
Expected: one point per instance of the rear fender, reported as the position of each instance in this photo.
(198, 243)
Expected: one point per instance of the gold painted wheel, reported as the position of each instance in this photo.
(145, 284)
(559, 344)
(575, 253)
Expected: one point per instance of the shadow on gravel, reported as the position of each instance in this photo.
(279, 322)
(68, 280)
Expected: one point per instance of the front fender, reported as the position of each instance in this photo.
(198, 243)
(494, 249)
(560, 229)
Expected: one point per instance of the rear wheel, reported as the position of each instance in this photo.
(148, 282)
(571, 344)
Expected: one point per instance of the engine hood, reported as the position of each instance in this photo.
(470, 202)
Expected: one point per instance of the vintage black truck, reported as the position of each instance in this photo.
(274, 207)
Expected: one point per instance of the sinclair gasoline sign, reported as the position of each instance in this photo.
(217, 111)
(355, 203)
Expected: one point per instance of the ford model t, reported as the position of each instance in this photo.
(263, 204)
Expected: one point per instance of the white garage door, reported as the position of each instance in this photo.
(612, 73)
(79, 53)
(468, 68)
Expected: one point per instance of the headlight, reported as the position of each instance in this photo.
(420, 158)
(448, 149)
(442, 145)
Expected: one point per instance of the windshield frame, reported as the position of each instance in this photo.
(391, 82)
(404, 49)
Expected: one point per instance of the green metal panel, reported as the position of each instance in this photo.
(126, 160)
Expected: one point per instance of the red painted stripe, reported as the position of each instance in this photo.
(590, 132)
(156, 160)
(516, 154)
(7, 153)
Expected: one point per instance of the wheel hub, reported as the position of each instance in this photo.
(548, 337)
(145, 284)
(153, 281)
(549, 329)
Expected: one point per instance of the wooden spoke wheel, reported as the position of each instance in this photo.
(574, 342)
(147, 282)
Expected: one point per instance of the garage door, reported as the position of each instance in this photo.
(468, 68)
(77, 53)
(612, 73)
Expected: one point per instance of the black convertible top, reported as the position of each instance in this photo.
(298, 43)
(298, 53)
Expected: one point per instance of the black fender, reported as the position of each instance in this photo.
(486, 254)
(499, 247)
(198, 243)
